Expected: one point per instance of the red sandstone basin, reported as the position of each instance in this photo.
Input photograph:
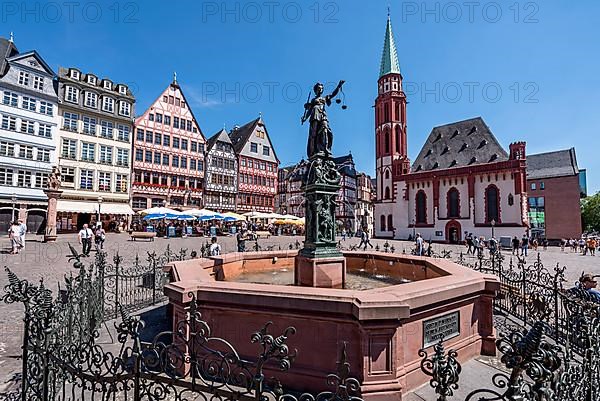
(383, 327)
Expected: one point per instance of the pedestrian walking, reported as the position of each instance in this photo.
(515, 245)
(365, 239)
(14, 233)
(344, 234)
(22, 232)
(524, 245)
(241, 240)
(99, 237)
(85, 239)
(419, 244)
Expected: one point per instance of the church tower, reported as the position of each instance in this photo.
(390, 121)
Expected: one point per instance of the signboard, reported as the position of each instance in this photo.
(439, 233)
(213, 231)
(189, 230)
(441, 328)
(171, 231)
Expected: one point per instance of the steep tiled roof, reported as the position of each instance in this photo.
(219, 136)
(552, 164)
(239, 136)
(389, 56)
(459, 144)
(7, 50)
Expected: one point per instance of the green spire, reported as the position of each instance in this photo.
(389, 58)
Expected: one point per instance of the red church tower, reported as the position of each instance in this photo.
(390, 122)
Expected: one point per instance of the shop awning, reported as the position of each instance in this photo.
(92, 207)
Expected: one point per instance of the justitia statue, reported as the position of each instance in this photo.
(320, 137)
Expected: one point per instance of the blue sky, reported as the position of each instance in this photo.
(530, 69)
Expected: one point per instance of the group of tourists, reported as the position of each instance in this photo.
(87, 235)
(582, 245)
(477, 245)
(16, 233)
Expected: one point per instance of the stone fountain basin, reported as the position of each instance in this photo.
(383, 327)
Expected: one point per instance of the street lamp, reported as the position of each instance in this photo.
(14, 201)
(99, 205)
(414, 228)
(493, 223)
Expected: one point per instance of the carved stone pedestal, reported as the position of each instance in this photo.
(319, 263)
(320, 272)
(53, 195)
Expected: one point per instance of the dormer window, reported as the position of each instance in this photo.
(91, 100)
(446, 150)
(74, 74)
(91, 80)
(124, 109)
(482, 144)
(23, 78)
(71, 94)
(122, 89)
(463, 147)
(108, 104)
(107, 85)
(454, 135)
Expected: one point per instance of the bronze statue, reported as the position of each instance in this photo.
(320, 137)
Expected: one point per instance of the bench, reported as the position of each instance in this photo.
(262, 234)
(142, 235)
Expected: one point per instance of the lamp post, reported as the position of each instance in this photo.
(99, 206)
(414, 228)
(14, 201)
(493, 223)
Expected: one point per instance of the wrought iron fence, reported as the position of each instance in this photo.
(187, 363)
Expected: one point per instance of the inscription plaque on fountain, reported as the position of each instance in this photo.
(441, 328)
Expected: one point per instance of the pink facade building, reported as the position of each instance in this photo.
(168, 154)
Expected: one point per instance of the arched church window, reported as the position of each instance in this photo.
(453, 203)
(492, 204)
(387, 192)
(511, 200)
(397, 139)
(387, 141)
(382, 222)
(390, 222)
(421, 208)
(387, 174)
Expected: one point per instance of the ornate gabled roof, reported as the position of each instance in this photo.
(7, 50)
(221, 136)
(239, 136)
(459, 144)
(389, 57)
(560, 163)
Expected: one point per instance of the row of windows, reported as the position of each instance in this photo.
(92, 100)
(164, 139)
(222, 179)
(257, 180)
(256, 200)
(259, 165)
(155, 178)
(92, 80)
(23, 178)
(168, 160)
(87, 179)
(87, 152)
(31, 80)
(10, 149)
(29, 127)
(179, 123)
(266, 150)
(174, 100)
(220, 162)
(91, 126)
(534, 186)
(220, 200)
(28, 103)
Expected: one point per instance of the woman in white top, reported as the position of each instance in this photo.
(14, 233)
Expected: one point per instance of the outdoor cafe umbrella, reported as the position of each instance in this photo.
(158, 210)
(235, 216)
(154, 216)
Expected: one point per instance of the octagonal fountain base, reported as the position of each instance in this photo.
(384, 326)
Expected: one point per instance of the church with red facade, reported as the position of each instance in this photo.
(462, 181)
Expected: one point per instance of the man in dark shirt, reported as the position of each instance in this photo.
(515, 246)
(241, 240)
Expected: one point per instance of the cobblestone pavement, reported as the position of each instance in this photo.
(49, 261)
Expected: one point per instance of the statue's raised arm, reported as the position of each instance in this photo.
(335, 92)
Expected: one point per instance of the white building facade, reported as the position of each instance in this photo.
(28, 134)
(96, 129)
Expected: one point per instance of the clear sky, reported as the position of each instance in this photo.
(530, 69)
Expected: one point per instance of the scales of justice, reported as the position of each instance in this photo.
(319, 263)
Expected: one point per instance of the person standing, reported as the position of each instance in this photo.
(241, 240)
(419, 244)
(365, 239)
(85, 239)
(14, 233)
(515, 245)
(215, 248)
(524, 245)
(22, 232)
(344, 234)
(99, 237)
